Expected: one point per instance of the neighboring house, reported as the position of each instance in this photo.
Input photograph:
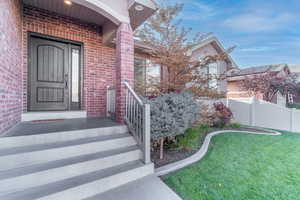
(144, 68)
(235, 76)
(211, 47)
(295, 69)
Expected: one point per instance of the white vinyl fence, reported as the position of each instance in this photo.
(296, 121)
(260, 113)
(241, 111)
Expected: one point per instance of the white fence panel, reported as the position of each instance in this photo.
(210, 102)
(272, 116)
(245, 100)
(296, 121)
(260, 113)
(264, 114)
(241, 111)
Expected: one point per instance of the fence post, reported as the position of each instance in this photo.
(292, 116)
(147, 139)
(252, 111)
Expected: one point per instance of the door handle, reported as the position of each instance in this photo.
(66, 81)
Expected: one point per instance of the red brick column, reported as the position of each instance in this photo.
(125, 67)
(10, 63)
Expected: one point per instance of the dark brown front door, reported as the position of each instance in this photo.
(49, 75)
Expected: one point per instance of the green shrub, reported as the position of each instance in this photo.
(204, 128)
(234, 125)
(187, 141)
(191, 139)
(220, 124)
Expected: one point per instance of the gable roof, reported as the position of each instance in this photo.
(217, 45)
(139, 45)
(258, 70)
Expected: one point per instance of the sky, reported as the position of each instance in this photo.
(264, 31)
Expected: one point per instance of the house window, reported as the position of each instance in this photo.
(153, 72)
(139, 72)
(212, 70)
(145, 72)
(75, 75)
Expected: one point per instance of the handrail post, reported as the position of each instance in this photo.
(147, 138)
(137, 118)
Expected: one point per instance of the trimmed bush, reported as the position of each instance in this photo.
(192, 137)
(172, 114)
(234, 125)
(223, 115)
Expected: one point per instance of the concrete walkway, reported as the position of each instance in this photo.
(148, 188)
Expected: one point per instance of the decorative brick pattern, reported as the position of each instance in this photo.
(125, 66)
(99, 60)
(10, 63)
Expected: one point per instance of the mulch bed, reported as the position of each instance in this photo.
(170, 156)
(173, 155)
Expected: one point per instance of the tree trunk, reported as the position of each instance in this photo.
(161, 154)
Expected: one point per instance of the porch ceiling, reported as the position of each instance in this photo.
(75, 10)
(106, 13)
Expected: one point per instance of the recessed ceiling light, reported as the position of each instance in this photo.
(139, 7)
(68, 2)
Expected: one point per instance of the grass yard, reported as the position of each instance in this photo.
(297, 106)
(243, 167)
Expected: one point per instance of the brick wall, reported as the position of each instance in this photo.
(99, 60)
(10, 63)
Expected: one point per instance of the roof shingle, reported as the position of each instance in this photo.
(258, 69)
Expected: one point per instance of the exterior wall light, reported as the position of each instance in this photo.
(139, 7)
(68, 2)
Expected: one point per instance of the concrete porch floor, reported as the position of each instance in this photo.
(43, 127)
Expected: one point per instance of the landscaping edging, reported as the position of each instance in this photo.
(164, 170)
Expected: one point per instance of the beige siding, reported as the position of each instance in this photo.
(209, 50)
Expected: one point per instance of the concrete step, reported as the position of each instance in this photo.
(85, 185)
(29, 140)
(73, 164)
(53, 173)
(72, 142)
(11, 173)
(34, 155)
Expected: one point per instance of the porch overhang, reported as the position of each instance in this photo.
(140, 11)
(107, 14)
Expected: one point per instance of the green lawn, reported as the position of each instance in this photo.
(240, 167)
(295, 106)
